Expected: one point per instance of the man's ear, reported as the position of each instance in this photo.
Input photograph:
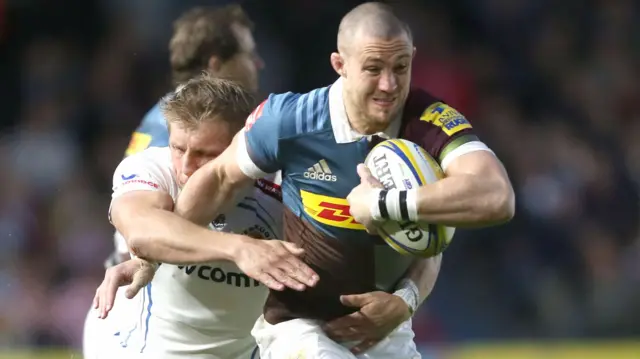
(337, 62)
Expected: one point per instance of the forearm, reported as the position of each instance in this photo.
(204, 195)
(419, 281)
(162, 236)
(465, 201)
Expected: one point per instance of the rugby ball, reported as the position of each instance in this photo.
(401, 164)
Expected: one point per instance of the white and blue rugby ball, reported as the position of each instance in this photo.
(404, 165)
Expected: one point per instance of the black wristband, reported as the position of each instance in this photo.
(404, 211)
(382, 204)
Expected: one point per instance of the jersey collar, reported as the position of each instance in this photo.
(342, 130)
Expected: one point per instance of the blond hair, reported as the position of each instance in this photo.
(206, 99)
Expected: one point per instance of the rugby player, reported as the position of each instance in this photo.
(206, 295)
(318, 139)
(216, 40)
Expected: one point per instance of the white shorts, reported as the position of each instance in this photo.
(303, 338)
(98, 332)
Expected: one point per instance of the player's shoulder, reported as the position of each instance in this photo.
(294, 113)
(155, 159)
(151, 166)
(422, 109)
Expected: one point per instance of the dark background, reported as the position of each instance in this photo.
(551, 86)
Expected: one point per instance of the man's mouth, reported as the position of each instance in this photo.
(384, 102)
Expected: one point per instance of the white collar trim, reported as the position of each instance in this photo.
(342, 130)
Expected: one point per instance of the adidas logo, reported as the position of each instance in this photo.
(320, 171)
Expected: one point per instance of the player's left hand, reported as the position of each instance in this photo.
(362, 197)
(380, 314)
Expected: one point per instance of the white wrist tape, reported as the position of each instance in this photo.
(408, 291)
(394, 204)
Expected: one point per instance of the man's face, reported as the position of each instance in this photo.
(244, 66)
(192, 148)
(378, 77)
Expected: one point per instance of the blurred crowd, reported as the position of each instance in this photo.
(552, 87)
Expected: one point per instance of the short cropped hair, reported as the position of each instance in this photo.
(201, 33)
(207, 99)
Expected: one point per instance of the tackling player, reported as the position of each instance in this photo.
(202, 300)
(317, 139)
(216, 40)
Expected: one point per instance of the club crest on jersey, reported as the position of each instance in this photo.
(446, 117)
(219, 222)
(139, 142)
(331, 211)
(254, 116)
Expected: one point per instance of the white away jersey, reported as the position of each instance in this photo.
(213, 298)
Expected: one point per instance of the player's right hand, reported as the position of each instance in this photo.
(135, 272)
(275, 264)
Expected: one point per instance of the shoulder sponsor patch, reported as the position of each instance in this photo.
(139, 182)
(139, 142)
(255, 115)
(446, 117)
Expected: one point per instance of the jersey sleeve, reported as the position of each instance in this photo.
(259, 145)
(140, 173)
(152, 132)
(445, 133)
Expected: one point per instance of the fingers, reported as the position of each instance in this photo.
(349, 334)
(287, 280)
(366, 177)
(96, 299)
(141, 277)
(355, 300)
(364, 346)
(296, 269)
(349, 328)
(270, 282)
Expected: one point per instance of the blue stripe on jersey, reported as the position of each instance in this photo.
(310, 110)
(299, 113)
(254, 353)
(253, 209)
(125, 342)
(146, 329)
(320, 109)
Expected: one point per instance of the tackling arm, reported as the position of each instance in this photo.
(419, 281)
(155, 233)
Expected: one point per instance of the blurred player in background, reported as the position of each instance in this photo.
(335, 127)
(216, 40)
(206, 295)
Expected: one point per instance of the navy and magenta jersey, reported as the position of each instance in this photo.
(308, 137)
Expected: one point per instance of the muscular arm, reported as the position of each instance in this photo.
(476, 192)
(212, 186)
(155, 233)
